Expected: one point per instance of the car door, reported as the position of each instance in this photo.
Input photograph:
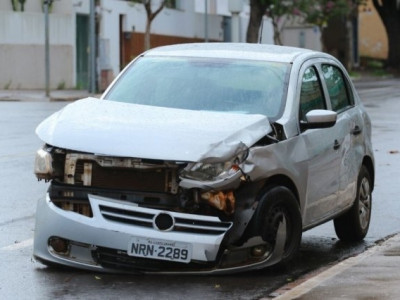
(348, 134)
(323, 159)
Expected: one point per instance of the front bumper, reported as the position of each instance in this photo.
(100, 243)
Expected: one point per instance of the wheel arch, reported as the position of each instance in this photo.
(368, 163)
(282, 180)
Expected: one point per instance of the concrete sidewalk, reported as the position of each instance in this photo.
(374, 274)
(40, 95)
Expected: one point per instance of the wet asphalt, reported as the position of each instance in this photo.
(27, 279)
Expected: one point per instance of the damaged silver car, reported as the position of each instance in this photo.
(205, 158)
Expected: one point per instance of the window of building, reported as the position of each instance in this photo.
(174, 4)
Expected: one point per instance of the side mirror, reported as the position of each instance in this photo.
(319, 118)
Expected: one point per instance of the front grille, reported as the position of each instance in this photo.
(129, 179)
(144, 217)
(121, 173)
(120, 260)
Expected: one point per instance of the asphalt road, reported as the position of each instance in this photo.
(23, 278)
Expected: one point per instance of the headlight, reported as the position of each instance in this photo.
(43, 165)
(214, 171)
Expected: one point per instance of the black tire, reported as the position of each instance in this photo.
(278, 202)
(353, 225)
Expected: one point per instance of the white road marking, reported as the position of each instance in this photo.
(19, 245)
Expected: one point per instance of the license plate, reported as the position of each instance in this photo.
(160, 249)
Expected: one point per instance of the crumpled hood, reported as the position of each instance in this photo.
(130, 130)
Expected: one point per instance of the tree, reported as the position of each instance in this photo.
(150, 17)
(317, 12)
(321, 12)
(280, 13)
(389, 11)
(257, 11)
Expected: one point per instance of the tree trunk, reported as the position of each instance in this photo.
(147, 36)
(277, 33)
(150, 17)
(257, 11)
(389, 11)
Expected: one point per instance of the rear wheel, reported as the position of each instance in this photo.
(277, 205)
(353, 225)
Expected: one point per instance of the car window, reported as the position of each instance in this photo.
(311, 95)
(337, 88)
(227, 85)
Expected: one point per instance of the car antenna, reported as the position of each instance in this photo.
(261, 30)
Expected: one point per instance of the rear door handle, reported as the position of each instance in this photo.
(336, 145)
(356, 130)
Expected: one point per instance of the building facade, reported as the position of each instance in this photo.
(120, 27)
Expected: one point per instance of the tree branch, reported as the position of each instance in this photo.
(159, 9)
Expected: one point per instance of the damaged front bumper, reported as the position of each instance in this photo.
(103, 241)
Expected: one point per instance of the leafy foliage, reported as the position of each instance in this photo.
(321, 11)
(18, 5)
(316, 12)
(280, 12)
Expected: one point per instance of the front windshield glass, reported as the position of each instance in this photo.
(240, 86)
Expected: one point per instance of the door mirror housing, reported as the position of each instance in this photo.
(319, 118)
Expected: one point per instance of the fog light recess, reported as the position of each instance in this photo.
(59, 245)
(258, 251)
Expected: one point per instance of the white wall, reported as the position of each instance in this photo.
(304, 37)
(22, 59)
(221, 8)
(28, 28)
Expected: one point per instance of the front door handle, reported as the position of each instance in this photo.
(356, 130)
(336, 145)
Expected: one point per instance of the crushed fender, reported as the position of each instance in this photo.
(224, 201)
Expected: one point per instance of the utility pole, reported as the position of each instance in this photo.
(206, 21)
(47, 3)
(92, 47)
(235, 7)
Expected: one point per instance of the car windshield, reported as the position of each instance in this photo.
(227, 85)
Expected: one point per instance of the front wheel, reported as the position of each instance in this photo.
(279, 206)
(353, 225)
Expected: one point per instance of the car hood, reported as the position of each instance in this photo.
(129, 130)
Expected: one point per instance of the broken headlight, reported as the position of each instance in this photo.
(49, 163)
(43, 164)
(210, 171)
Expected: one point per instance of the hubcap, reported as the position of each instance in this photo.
(364, 203)
(274, 221)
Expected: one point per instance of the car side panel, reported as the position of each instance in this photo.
(323, 173)
(352, 153)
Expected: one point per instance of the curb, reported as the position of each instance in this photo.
(304, 285)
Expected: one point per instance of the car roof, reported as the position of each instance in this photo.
(235, 51)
